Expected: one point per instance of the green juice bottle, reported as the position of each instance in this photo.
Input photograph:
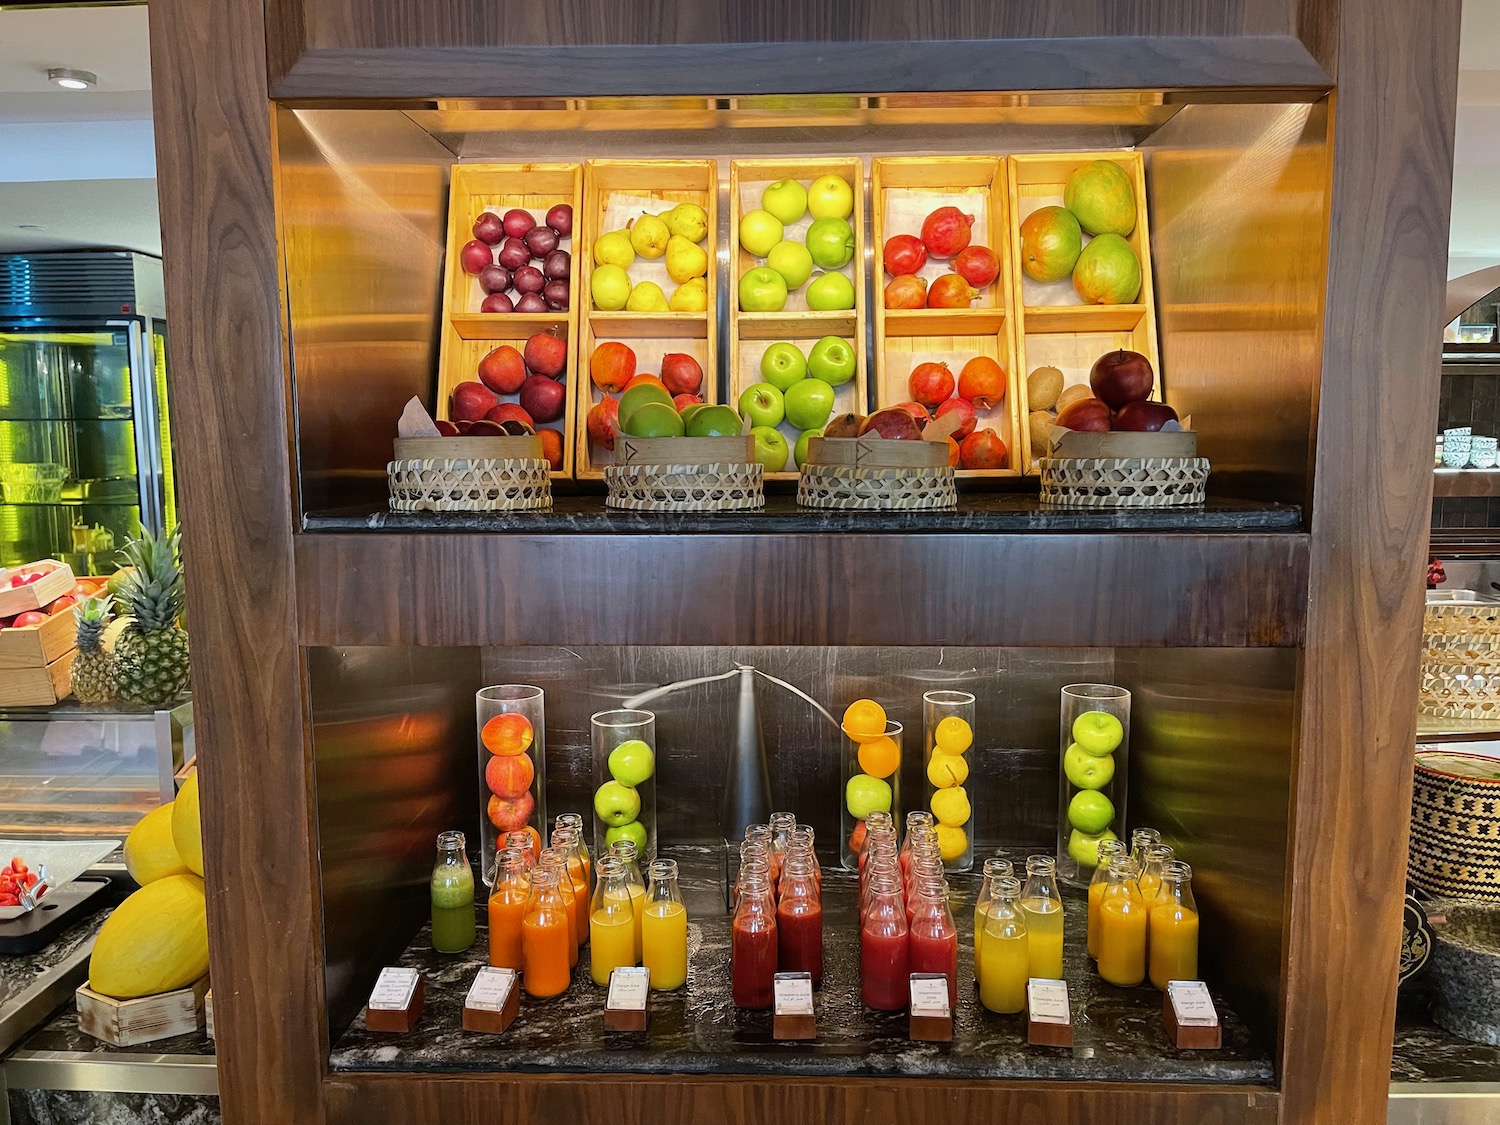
(452, 896)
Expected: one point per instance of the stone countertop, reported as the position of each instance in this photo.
(976, 513)
(1425, 1052)
(1118, 1034)
(32, 984)
(62, 1033)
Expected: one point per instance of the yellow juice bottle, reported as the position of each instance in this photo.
(994, 869)
(1004, 953)
(1173, 927)
(1108, 850)
(1043, 909)
(624, 851)
(664, 929)
(611, 923)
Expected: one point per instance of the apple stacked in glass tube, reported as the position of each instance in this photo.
(1089, 765)
(618, 801)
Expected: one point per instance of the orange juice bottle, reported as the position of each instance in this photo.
(1174, 927)
(507, 910)
(580, 849)
(1109, 850)
(1150, 881)
(565, 840)
(611, 922)
(545, 938)
(578, 912)
(1122, 927)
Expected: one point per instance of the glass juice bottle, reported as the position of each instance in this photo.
(578, 912)
(1006, 958)
(781, 826)
(1140, 840)
(1157, 856)
(575, 821)
(1109, 850)
(1122, 927)
(565, 842)
(994, 868)
(802, 844)
(545, 938)
(664, 928)
(1044, 917)
(753, 943)
(624, 851)
(507, 908)
(452, 889)
(611, 922)
(934, 937)
(799, 919)
(884, 945)
(1173, 927)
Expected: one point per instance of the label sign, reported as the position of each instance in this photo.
(793, 994)
(628, 986)
(1192, 1006)
(393, 990)
(929, 995)
(1047, 1001)
(490, 989)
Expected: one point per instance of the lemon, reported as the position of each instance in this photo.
(953, 735)
(952, 842)
(947, 770)
(951, 806)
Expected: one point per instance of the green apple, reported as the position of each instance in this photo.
(637, 397)
(1098, 732)
(654, 420)
(714, 421)
(763, 404)
(809, 403)
(830, 197)
(762, 290)
(865, 794)
(688, 412)
(799, 451)
(830, 292)
(610, 287)
(614, 249)
(759, 231)
(792, 261)
(632, 762)
(771, 449)
(783, 364)
(1088, 771)
(1090, 812)
(1084, 848)
(616, 804)
(635, 832)
(830, 242)
(786, 199)
(832, 360)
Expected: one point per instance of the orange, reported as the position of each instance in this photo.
(879, 757)
(507, 734)
(864, 720)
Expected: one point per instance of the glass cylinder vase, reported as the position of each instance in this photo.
(1095, 743)
(872, 783)
(947, 736)
(512, 768)
(624, 744)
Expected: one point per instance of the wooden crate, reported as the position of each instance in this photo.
(37, 646)
(613, 191)
(46, 590)
(126, 1023)
(469, 334)
(38, 687)
(1053, 327)
(903, 191)
(751, 333)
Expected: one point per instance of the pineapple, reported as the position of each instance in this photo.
(151, 656)
(93, 674)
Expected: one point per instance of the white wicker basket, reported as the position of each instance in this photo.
(895, 490)
(1123, 482)
(722, 487)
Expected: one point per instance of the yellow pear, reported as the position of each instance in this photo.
(690, 297)
(646, 296)
(689, 221)
(614, 249)
(649, 235)
(685, 260)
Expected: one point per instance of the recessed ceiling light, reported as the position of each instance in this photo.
(70, 79)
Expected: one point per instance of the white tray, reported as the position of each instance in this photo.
(65, 860)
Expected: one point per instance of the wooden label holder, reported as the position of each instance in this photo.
(627, 1002)
(493, 1002)
(1188, 1013)
(929, 1014)
(1049, 1014)
(794, 1016)
(395, 1002)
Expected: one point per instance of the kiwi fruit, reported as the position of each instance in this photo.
(1043, 386)
(1041, 422)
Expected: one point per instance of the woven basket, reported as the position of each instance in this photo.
(731, 486)
(890, 490)
(1460, 696)
(1463, 620)
(458, 474)
(1455, 825)
(1123, 482)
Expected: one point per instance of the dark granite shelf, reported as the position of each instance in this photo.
(1118, 1033)
(1425, 1052)
(62, 1033)
(976, 513)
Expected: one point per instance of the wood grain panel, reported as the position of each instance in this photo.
(670, 1100)
(1372, 488)
(214, 144)
(476, 589)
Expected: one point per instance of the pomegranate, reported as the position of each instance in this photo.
(977, 265)
(891, 423)
(982, 382)
(946, 231)
(954, 453)
(603, 422)
(612, 366)
(982, 449)
(844, 426)
(904, 253)
(950, 292)
(917, 411)
(552, 448)
(965, 411)
(906, 292)
(681, 373)
(930, 384)
(682, 401)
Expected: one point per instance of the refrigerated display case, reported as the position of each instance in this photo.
(85, 449)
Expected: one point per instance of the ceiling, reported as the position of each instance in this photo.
(77, 168)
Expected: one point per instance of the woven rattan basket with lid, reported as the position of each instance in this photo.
(682, 474)
(1124, 470)
(876, 474)
(468, 474)
(1455, 825)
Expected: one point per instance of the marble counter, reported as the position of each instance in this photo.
(978, 512)
(33, 984)
(1118, 1033)
(1425, 1052)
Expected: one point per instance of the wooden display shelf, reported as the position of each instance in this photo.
(1053, 327)
(613, 192)
(796, 323)
(1465, 482)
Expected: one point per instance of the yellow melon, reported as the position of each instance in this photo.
(150, 853)
(187, 830)
(155, 941)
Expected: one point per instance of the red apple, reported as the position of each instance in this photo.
(552, 448)
(1122, 376)
(892, 423)
(977, 265)
(518, 222)
(683, 401)
(930, 383)
(487, 428)
(965, 410)
(445, 428)
(471, 402)
(67, 601)
(906, 292)
(603, 420)
(917, 411)
(497, 303)
(1144, 416)
(844, 426)
(494, 279)
(1085, 414)
(546, 355)
(543, 398)
(28, 619)
(946, 231)
(982, 382)
(950, 292)
(510, 412)
(612, 366)
(982, 449)
(475, 256)
(488, 228)
(503, 370)
(681, 373)
(904, 253)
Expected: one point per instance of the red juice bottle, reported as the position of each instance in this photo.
(934, 937)
(799, 919)
(753, 941)
(884, 957)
